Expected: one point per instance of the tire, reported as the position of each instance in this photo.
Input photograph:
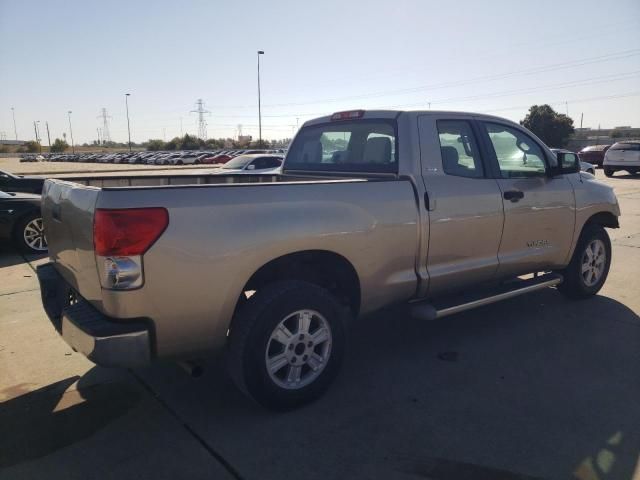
(609, 172)
(581, 283)
(179, 162)
(257, 337)
(29, 234)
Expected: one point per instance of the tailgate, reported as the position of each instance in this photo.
(67, 210)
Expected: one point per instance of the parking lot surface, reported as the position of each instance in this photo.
(533, 387)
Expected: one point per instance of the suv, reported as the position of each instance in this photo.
(622, 156)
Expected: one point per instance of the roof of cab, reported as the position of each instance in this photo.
(392, 114)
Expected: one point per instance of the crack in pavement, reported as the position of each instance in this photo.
(230, 468)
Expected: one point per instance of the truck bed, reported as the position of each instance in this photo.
(222, 229)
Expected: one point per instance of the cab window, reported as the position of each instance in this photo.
(518, 155)
(459, 149)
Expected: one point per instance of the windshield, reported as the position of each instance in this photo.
(238, 162)
(360, 146)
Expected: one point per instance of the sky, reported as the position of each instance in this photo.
(496, 56)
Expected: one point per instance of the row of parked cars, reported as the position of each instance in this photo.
(188, 157)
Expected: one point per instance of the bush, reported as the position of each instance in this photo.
(32, 147)
(59, 146)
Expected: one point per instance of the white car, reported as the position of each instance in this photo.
(622, 156)
(252, 164)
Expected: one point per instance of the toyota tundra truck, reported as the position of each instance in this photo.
(442, 211)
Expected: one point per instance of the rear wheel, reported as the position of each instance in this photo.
(589, 266)
(286, 344)
(29, 234)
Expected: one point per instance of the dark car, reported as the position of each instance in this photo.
(21, 221)
(17, 183)
(593, 154)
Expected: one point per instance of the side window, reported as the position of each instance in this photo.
(334, 146)
(517, 154)
(459, 149)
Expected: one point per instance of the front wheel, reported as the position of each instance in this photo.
(286, 344)
(609, 171)
(589, 266)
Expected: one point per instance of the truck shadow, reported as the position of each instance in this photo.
(10, 256)
(42, 421)
(535, 386)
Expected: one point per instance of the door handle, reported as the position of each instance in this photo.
(513, 195)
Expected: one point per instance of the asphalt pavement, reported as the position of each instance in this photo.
(537, 387)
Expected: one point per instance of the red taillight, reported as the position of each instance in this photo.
(349, 115)
(131, 231)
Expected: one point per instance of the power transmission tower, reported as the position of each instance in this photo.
(202, 124)
(105, 125)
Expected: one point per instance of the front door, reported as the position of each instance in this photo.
(539, 209)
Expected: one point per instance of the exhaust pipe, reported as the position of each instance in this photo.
(192, 367)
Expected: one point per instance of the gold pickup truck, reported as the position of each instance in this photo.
(443, 210)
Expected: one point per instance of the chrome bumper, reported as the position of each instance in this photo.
(101, 339)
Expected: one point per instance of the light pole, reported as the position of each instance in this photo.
(126, 103)
(15, 130)
(260, 52)
(73, 147)
(38, 135)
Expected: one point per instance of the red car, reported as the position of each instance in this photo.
(593, 154)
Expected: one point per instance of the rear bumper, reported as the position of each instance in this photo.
(101, 339)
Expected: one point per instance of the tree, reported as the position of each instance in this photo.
(553, 128)
(32, 147)
(59, 145)
(189, 143)
(155, 145)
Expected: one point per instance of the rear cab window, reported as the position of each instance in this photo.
(362, 146)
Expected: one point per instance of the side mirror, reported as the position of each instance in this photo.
(251, 167)
(567, 163)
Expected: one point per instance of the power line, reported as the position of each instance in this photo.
(486, 78)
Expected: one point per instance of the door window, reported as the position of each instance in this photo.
(459, 149)
(517, 154)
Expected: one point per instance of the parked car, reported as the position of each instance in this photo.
(593, 154)
(584, 166)
(252, 163)
(19, 183)
(622, 156)
(270, 269)
(21, 221)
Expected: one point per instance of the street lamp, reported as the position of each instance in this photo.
(126, 102)
(260, 52)
(73, 147)
(15, 130)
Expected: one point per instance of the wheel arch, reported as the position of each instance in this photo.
(324, 268)
(20, 218)
(605, 219)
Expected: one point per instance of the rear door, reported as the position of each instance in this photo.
(539, 209)
(464, 202)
